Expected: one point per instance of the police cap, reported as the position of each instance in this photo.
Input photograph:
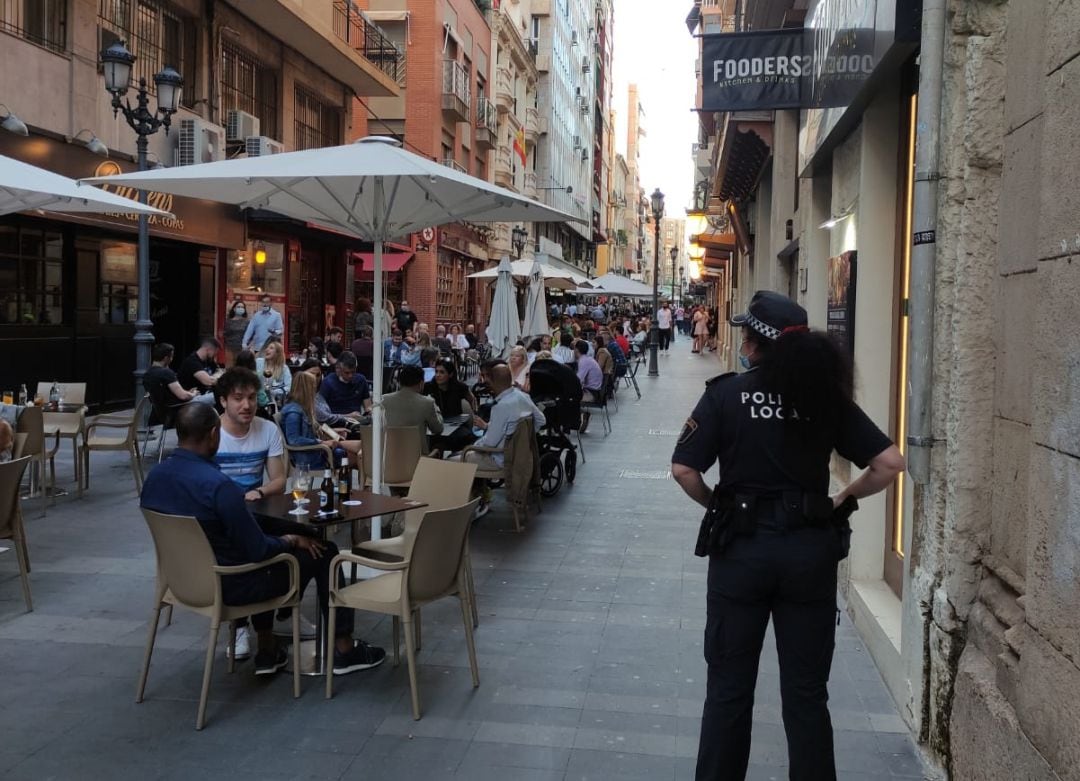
(771, 314)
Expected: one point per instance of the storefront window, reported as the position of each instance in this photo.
(258, 268)
(31, 276)
(119, 303)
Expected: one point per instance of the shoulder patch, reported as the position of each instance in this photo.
(719, 377)
(689, 428)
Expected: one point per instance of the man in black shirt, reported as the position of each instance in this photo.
(160, 381)
(405, 318)
(198, 371)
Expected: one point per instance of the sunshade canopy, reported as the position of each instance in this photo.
(372, 189)
(25, 187)
(560, 278)
(617, 285)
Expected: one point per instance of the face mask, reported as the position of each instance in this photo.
(744, 361)
(240, 311)
(266, 308)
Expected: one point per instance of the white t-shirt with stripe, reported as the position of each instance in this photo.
(243, 459)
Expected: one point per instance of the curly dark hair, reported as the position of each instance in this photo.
(811, 371)
(236, 378)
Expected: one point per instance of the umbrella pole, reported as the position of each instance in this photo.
(377, 412)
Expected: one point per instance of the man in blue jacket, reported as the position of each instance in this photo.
(190, 483)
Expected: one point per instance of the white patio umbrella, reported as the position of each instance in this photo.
(372, 189)
(504, 328)
(616, 285)
(25, 187)
(559, 278)
(536, 322)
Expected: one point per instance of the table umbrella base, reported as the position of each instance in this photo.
(312, 663)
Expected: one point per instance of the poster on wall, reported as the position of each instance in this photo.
(841, 306)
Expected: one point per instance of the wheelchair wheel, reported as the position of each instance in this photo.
(571, 466)
(551, 474)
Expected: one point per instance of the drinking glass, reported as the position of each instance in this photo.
(300, 487)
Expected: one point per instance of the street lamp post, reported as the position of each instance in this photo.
(657, 203)
(518, 239)
(682, 285)
(117, 62)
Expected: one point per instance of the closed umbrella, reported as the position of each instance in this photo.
(504, 328)
(536, 322)
(372, 189)
(25, 187)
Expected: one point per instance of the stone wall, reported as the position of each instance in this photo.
(996, 570)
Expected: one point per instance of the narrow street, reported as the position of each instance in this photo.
(589, 646)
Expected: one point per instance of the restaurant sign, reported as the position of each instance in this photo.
(193, 220)
(772, 70)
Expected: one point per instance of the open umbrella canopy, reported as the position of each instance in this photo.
(616, 285)
(558, 278)
(24, 187)
(373, 189)
(504, 328)
(536, 322)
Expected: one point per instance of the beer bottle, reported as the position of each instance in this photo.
(343, 477)
(327, 492)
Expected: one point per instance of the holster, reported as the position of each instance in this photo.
(841, 522)
(728, 515)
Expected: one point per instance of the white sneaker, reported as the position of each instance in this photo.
(243, 644)
(283, 627)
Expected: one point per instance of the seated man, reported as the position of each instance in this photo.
(347, 423)
(591, 377)
(198, 371)
(190, 483)
(564, 352)
(440, 342)
(392, 347)
(363, 347)
(346, 391)
(409, 407)
(511, 406)
(161, 382)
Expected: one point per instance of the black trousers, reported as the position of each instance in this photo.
(791, 576)
(665, 337)
(273, 581)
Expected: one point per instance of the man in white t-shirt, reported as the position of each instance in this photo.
(663, 325)
(251, 446)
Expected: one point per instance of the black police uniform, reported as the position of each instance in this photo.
(781, 564)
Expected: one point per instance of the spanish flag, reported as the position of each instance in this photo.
(519, 145)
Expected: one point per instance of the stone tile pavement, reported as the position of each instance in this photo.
(589, 646)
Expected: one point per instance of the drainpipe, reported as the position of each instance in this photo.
(920, 438)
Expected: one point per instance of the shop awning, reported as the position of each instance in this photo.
(392, 261)
(746, 147)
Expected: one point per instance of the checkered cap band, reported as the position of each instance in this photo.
(764, 329)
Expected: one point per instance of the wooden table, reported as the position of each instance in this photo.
(371, 505)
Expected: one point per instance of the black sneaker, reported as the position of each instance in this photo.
(361, 657)
(269, 662)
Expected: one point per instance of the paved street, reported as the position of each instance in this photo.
(589, 647)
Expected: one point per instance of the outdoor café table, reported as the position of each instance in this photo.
(363, 505)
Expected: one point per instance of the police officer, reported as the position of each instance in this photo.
(771, 530)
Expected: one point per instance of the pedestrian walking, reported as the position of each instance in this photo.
(701, 328)
(772, 533)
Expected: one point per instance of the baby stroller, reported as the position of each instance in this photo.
(554, 388)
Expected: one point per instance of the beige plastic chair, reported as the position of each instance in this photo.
(11, 523)
(31, 423)
(433, 568)
(19, 446)
(189, 577)
(69, 425)
(122, 434)
(440, 485)
(520, 470)
(402, 449)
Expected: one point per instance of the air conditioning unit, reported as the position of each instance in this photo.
(573, 37)
(199, 141)
(260, 146)
(577, 142)
(584, 155)
(240, 125)
(586, 66)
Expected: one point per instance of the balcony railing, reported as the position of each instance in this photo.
(351, 26)
(450, 162)
(44, 23)
(487, 116)
(456, 95)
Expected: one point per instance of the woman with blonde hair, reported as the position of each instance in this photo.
(298, 423)
(276, 375)
(519, 367)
